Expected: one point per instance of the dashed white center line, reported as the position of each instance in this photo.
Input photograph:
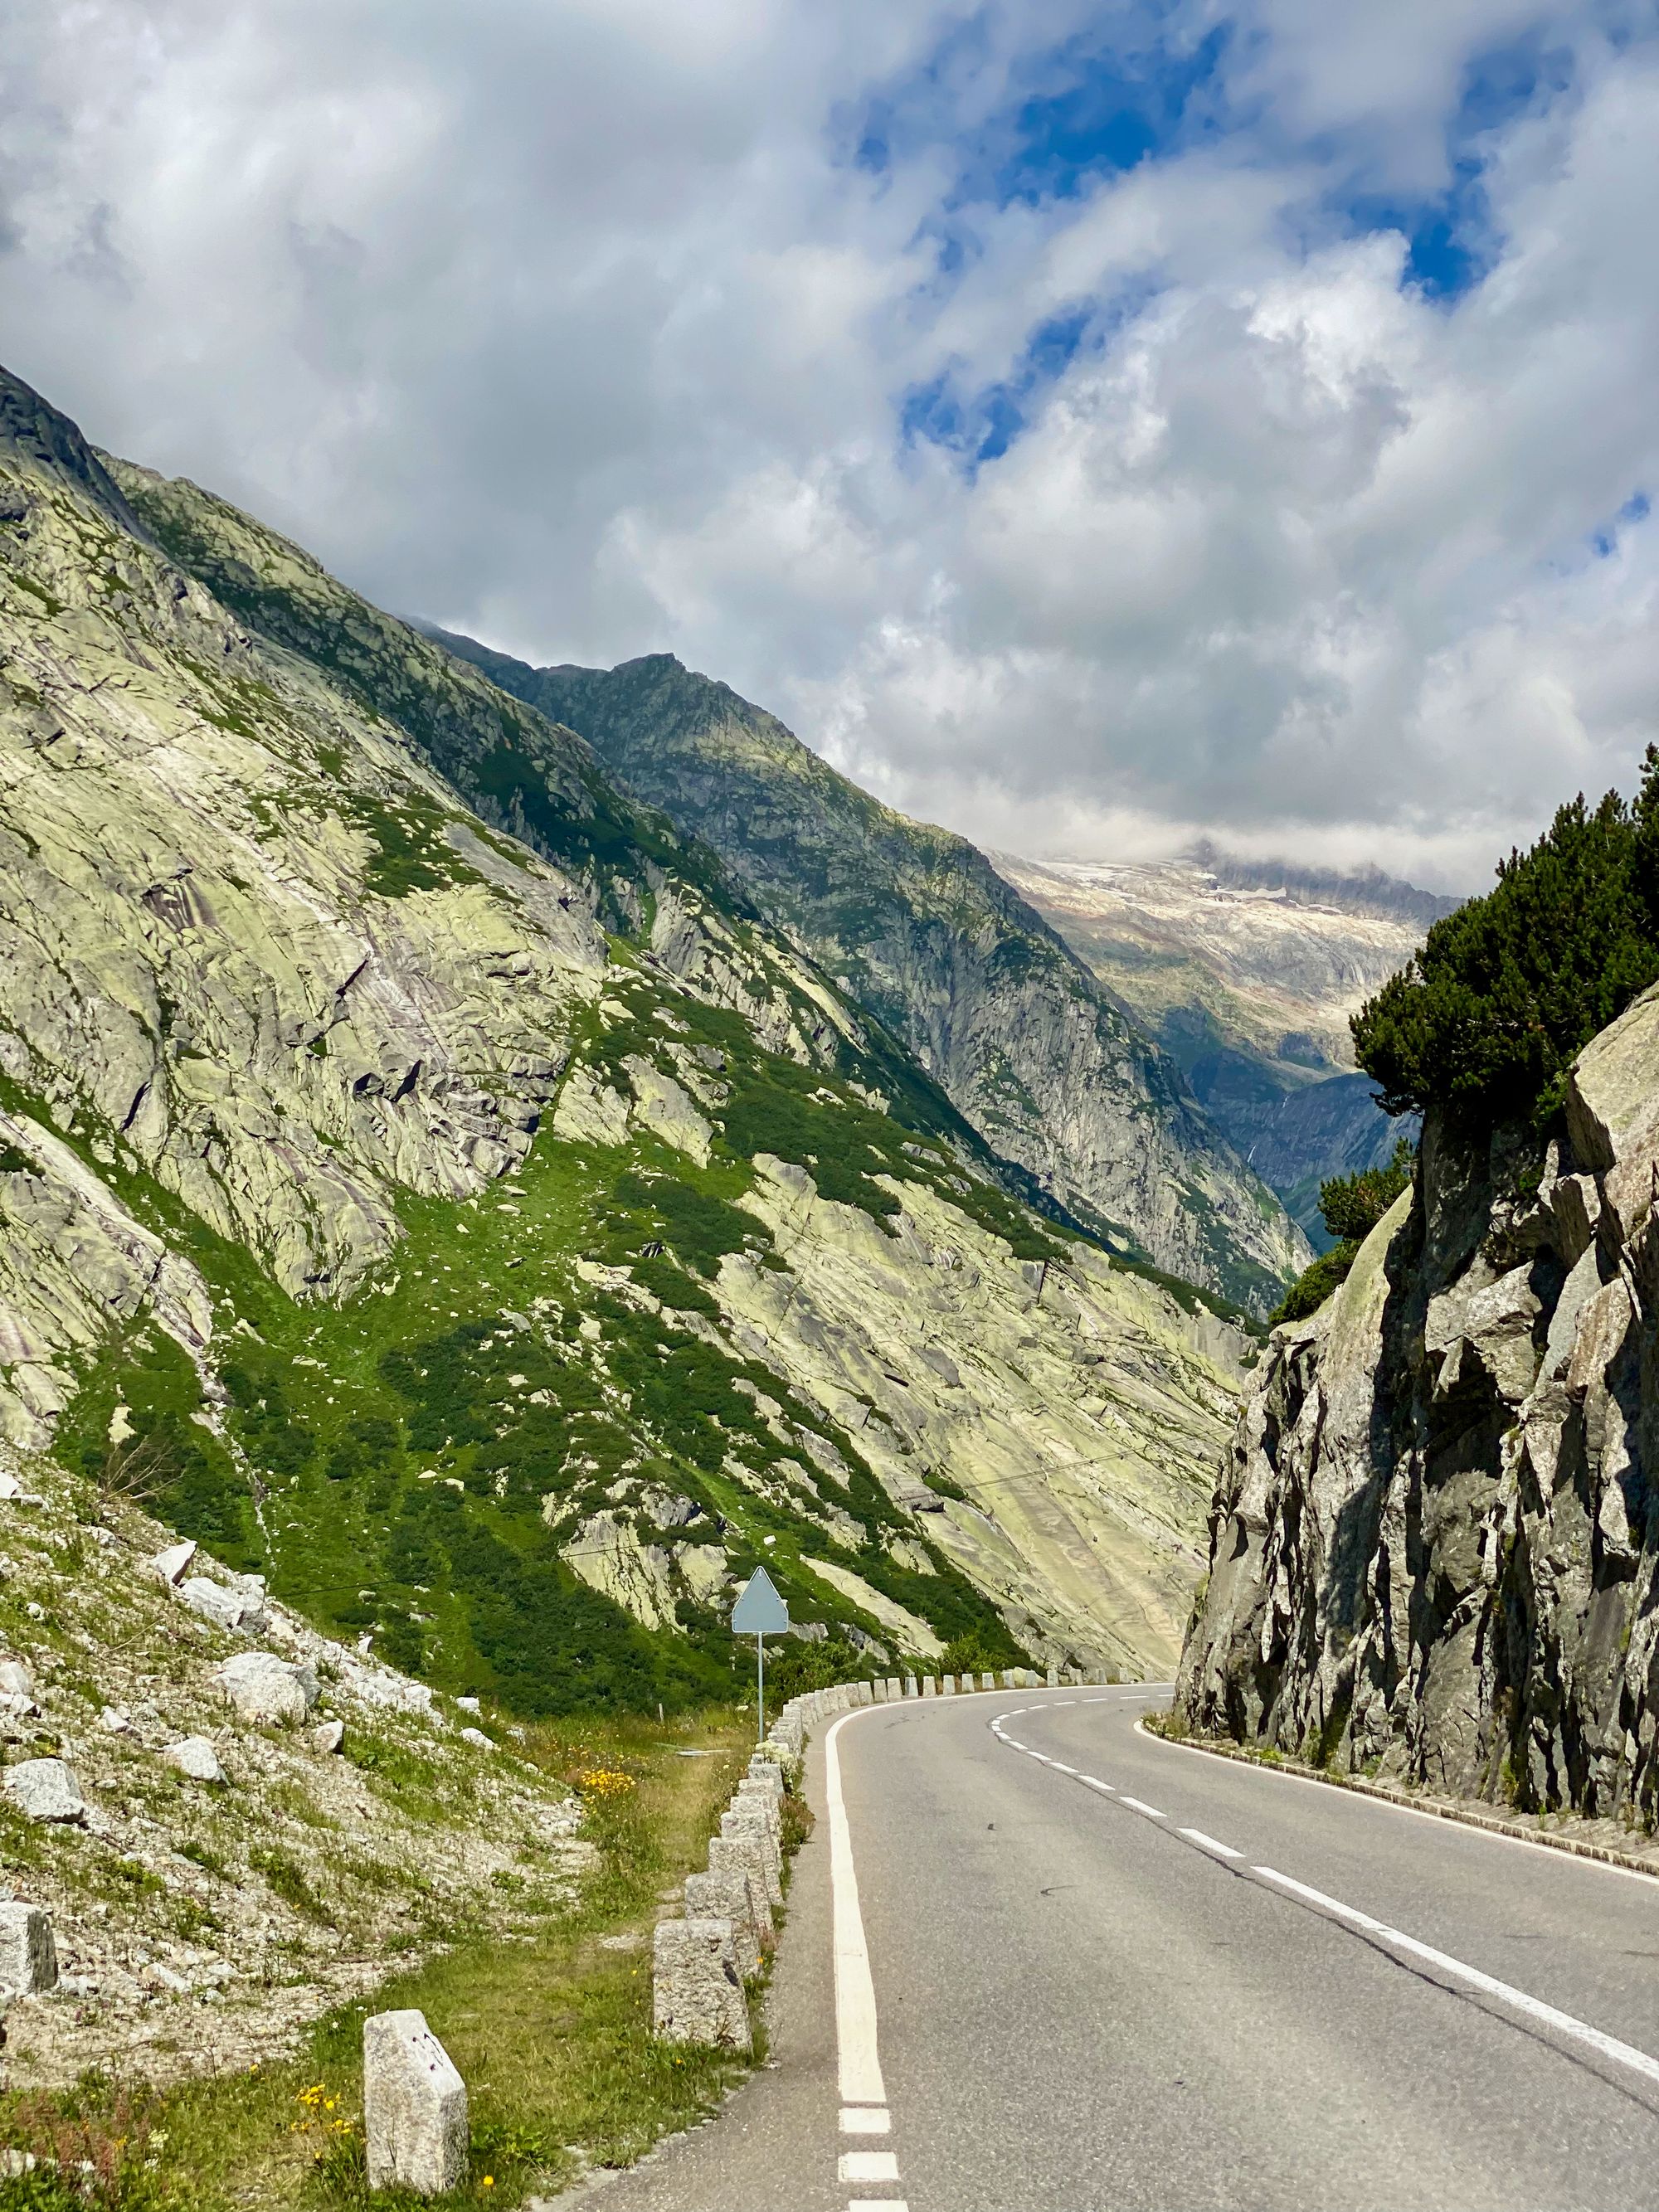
(856, 2122)
(1209, 1844)
(1395, 1939)
(867, 2166)
(877, 2205)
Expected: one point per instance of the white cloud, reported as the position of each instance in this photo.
(569, 322)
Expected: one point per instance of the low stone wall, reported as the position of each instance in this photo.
(700, 1963)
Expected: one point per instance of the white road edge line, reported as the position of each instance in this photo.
(1564, 2023)
(1209, 1844)
(859, 2064)
(1392, 1805)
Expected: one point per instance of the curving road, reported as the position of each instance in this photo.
(1039, 1962)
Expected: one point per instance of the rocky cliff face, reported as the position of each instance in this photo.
(424, 1175)
(1247, 974)
(919, 927)
(1436, 1544)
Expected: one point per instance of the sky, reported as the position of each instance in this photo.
(1091, 426)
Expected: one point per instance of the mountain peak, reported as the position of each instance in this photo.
(33, 434)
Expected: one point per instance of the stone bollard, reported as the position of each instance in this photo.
(414, 2107)
(745, 1856)
(895, 1689)
(912, 1689)
(728, 1897)
(866, 1694)
(696, 1991)
(752, 1819)
(753, 1791)
(28, 1957)
(768, 1773)
(878, 1689)
(929, 1686)
(947, 1686)
(1051, 1680)
(987, 1680)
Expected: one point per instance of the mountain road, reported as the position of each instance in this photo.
(1038, 1960)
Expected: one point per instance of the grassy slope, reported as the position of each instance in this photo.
(550, 2030)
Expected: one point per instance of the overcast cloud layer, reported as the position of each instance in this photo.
(1090, 425)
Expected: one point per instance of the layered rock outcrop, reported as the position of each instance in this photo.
(1435, 1548)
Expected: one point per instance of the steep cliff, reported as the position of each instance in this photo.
(1435, 1548)
(1247, 974)
(428, 1179)
(919, 927)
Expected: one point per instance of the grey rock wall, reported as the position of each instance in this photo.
(1435, 1546)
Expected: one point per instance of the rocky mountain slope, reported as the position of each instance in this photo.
(917, 926)
(222, 1809)
(1435, 1549)
(427, 1181)
(1247, 974)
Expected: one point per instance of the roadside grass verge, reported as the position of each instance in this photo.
(548, 2023)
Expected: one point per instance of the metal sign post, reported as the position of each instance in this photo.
(760, 1612)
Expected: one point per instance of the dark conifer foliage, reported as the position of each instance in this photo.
(1486, 1022)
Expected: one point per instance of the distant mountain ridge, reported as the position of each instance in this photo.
(1356, 891)
(1247, 972)
(917, 925)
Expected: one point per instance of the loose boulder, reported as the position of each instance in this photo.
(46, 1789)
(224, 1607)
(194, 1756)
(262, 1687)
(169, 1567)
(327, 1737)
(414, 2122)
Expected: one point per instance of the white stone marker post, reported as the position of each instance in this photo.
(414, 2107)
(746, 1855)
(728, 1897)
(745, 1818)
(28, 1957)
(696, 1991)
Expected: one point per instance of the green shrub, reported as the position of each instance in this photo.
(1486, 1022)
(1352, 1205)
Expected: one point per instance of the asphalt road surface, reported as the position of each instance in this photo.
(1038, 1962)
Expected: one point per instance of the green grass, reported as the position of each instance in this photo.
(549, 2029)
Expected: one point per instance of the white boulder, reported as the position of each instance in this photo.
(46, 1789)
(262, 1687)
(169, 1567)
(195, 1756)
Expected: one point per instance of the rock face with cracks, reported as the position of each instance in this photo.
(1436, 1545)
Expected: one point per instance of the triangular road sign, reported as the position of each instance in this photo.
(759, 1610)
